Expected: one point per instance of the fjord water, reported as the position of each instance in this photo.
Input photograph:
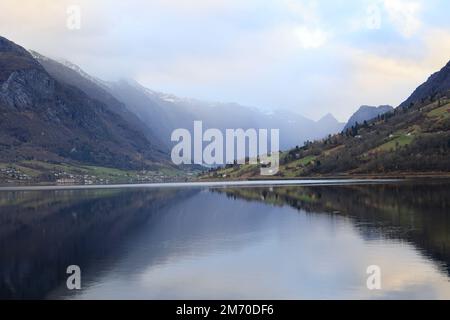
(261, 242)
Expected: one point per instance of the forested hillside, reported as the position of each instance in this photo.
(413, 138)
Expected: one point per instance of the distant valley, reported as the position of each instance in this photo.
(60, 124)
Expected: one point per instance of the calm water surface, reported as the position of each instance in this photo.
(242, 242)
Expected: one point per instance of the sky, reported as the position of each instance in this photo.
(312, 57)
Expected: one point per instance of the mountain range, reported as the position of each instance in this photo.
(163, 113)
(54, 113)
(55, 116)
(47, 117)
(412, 139)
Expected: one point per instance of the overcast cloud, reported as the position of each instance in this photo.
(312, 57)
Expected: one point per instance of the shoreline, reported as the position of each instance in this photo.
(207, 184)
(266, 180)
(397, 176)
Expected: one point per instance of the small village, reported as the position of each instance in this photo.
(9, 175)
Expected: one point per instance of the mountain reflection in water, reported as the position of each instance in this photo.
(280, 242)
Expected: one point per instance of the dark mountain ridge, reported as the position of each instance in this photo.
(68, 73)
(366, 113)
(437, 86)
(46, 119)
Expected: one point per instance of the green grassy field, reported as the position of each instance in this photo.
(39, 171)
(396, 143)
(441, 112)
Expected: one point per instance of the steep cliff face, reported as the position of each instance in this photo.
(27, 90)
(24, 84)
(72, 75)
(48, 120)
(14, 58)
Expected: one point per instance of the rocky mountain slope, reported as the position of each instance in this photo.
(70, 74)
(46, 117)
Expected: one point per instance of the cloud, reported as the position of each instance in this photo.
(311, 38)
(308, 26)
(271, 53)
(306, 11)
(404, 15)
(390, 79)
